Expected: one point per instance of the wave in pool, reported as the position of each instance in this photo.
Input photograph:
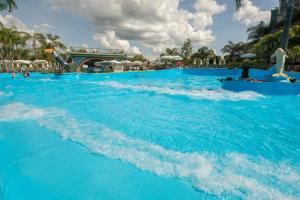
(232, 174)
(194, 94)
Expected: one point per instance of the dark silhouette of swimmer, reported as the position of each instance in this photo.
(26, 74)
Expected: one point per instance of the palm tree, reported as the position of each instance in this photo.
(238, 4)
(234, 48)
(55, 41)
(38, 38)
(255, 33)
(287, 23)
(187, 49)
(172, 52)
(11, 43)
(9, 5)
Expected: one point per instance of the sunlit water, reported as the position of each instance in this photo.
(151, 135)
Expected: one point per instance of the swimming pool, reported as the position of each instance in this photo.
(146, 135)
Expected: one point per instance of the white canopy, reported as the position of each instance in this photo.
(137, 63)
(126, 62)
(27, 62)
(40, 61)
(177, 58)
(103, 63)
(248, 55)
(174, 58)
(115, 62)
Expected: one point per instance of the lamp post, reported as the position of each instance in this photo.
(287, 24)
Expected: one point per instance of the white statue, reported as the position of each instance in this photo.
(280, 60)
(276, 72)
(277, 69)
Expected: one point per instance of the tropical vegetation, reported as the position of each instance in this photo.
(8, 5)
(17, 45)
(263, 40)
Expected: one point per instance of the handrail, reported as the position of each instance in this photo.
(96, 50)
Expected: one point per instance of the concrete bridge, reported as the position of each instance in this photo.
(88, 57)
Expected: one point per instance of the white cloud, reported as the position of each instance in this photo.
(84, 46)
(209, 6)
(109, 40)
(250, 14)
(12, 21)
(44, 28)
(152, 23)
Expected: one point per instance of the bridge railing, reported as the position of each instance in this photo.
(96, 50)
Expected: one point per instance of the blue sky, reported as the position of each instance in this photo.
(79, 22)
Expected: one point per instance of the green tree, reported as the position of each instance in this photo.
(137, 57)
(12, 44)
(238, 4)
(9, 5)
(172, 52)
(234, 48)
(203, 53)
(269, 43)
(255, 33)
(54, 42)
(38, 40)
(187, 49)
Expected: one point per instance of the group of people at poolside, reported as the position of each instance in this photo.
(25, 74)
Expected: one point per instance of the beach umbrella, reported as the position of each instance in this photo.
(165, 57)
(27, 62)
(177, 58)
(171, 58)
(39, 61)
(115, 62)
(102, 63)
(126, 62)
(137, 63)
(248, 55)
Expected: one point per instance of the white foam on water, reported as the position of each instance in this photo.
(235, 174)
(9, 87)
(195, 94)
(20, 111)
(5, 94)
(46, 80)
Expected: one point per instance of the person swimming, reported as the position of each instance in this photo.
(26, 74)
(13, 74)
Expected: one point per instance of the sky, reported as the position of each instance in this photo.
(140, 26)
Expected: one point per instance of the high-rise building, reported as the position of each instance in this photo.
(278, 14)
(274, 17)
(283, 5)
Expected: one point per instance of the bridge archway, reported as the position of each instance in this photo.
(80, 58)
(88, 60)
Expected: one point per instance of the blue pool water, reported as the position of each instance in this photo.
(151, 135)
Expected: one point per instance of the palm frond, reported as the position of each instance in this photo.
(9, 5)
(238, 4)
